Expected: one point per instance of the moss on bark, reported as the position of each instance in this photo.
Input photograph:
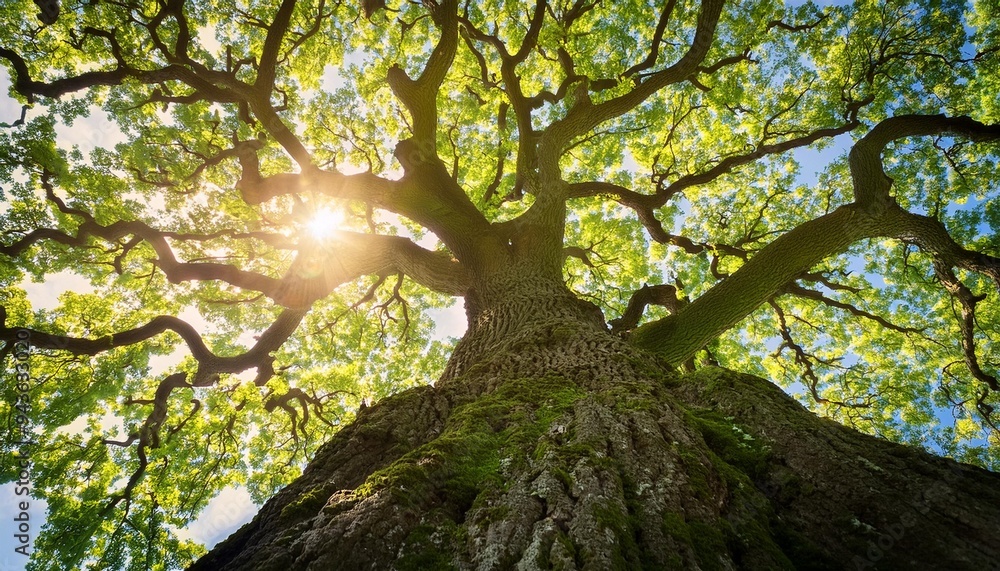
(607, 466)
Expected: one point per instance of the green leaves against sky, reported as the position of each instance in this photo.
(160, 104)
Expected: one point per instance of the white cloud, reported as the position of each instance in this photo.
(10, 108)
(223, 515)
(45, 295)
(331, 80)
(448, 321)
(96, 130)
(207, 39)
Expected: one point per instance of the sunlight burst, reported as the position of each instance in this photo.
(324, 223)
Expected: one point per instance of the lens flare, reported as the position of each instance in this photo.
(324, 223)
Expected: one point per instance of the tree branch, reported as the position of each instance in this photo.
(805, 360)
(681, 335)
(727, 164)
(654, 44)
(873, 214)
(269, 54)
(419, 96)
(584, 116)
(664, 295)
(210, 365)
(968, 301)
(871, 184)
(320, 268)
(804, 293)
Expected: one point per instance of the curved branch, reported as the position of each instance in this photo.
(805, 360)
(584, 116)
(419, 96)
(317, 270)
(209, 364)
(654, 44)
(364, 187)
(931, 236)
(521, 104)
(427, 194)
(873, 214)
(968, 302)
(213, 86)
(320, 268)
(166, 261)
(799, 291)
(664, 295)
(30, 88)
(871, 184)
(645, 204)
(729, 163)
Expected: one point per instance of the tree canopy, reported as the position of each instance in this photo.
(295, 184)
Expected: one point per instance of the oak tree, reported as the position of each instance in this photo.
(623, 195)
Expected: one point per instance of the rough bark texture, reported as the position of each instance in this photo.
(551, 444)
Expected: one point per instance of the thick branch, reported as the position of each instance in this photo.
(175, 271)
(663, 295)
(320, 268)
(272, 47)
(427, 194)
(365, 187)
(317, 270)
(931, 236)
(873, 214)
(419, 96)
(209, 364)
(584, 116)
(29, 88)
(871, 184)
(679, 336)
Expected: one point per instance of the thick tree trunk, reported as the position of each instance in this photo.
(550, 444)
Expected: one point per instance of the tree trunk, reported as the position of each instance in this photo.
(551, 444)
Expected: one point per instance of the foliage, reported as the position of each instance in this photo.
(174, 155)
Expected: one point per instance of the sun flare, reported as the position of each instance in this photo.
(324, 223)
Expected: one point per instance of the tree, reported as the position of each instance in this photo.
(611, 188)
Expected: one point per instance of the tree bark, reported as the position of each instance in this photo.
(551, 444)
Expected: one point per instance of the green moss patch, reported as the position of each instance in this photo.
(308, 504)
(428, 546)
(479, 436)
(732, 443)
